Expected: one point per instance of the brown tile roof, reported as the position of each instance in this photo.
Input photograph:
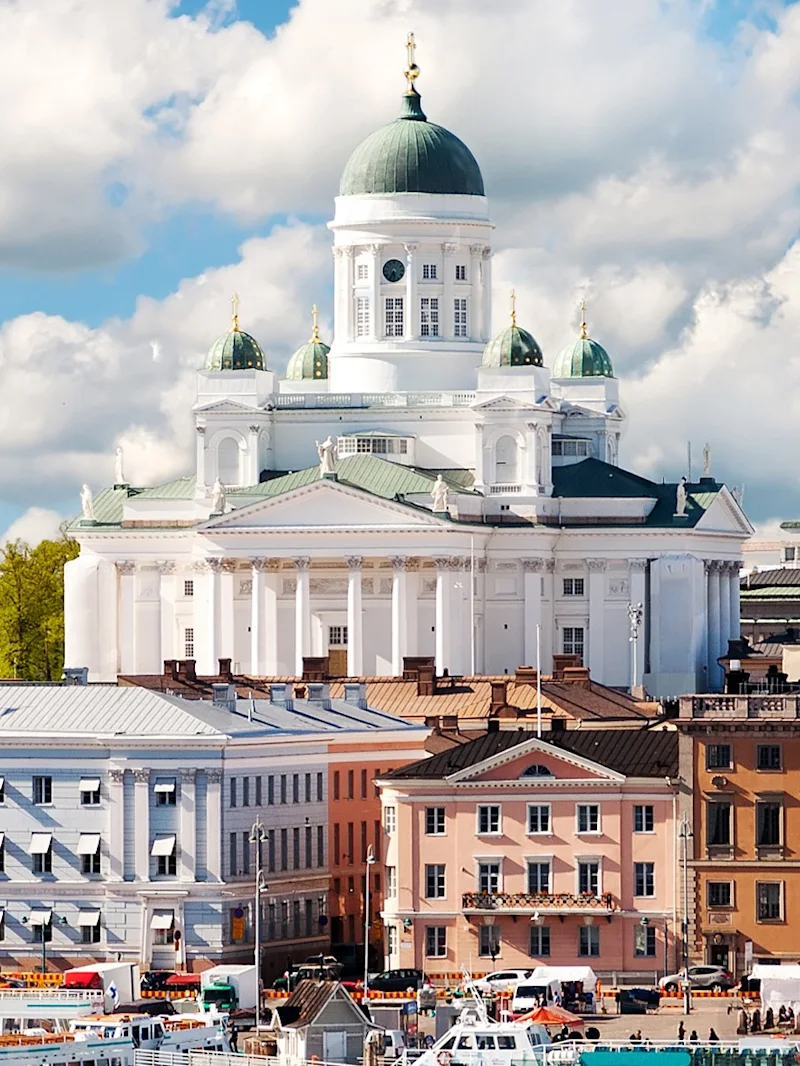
(305, 1004)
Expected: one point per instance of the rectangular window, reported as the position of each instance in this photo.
(2, 790)
(488, 941)
(429, 272)
(362, 272)
(644, 941)
(90, 864)
(390, 820)
(429, 317)
(572, 641)
(435, 941)
(188, 642)
(460, 317)
(644, 880)
(376, 840)
(42, 932)
(336, 844)
(42, 790)
(540, 942)
(718, 823)
(391, 882)
(271, 851)
(643, 821)
(320, 845)
(188, 588)
(296, 848)
(245, 791)
(166, 789)
(362, 316)
(284, 849)
(336, 784)
(295, 788)
(589, 941)
(489, 877)
(769, 901)
(167, 865)
(43, 862)
(283, 788)
(363, 784)
(394, 316)
(246, 852)
(588, 818)
(391, 940)
(538, 818)
(538, 877)
(233, 844)
(768, 756)
(588, 877)
(363, 841)
(90, 796)
(2, 860)
(90, 934)
(308, 788)
(718, 893)
(718, 757)
(434, 821)
(351, 790)
(270, 791)
(461, 272)
(768, 823)
(309, 847)
(233, 792)
(319, 787)
(489, 819)
(434, 882)
(350, 843)
(258, 791)
(573, 586)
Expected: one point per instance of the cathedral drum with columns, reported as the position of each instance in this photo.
(420, 487)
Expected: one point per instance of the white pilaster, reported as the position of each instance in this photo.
(127, 617)
(141, 824)
(475, 305)
(375, 309)
(411, 321)
(339, 293)
(413, 583)
(549, 617)
(116, 824)
(167, 594)
(188, 825)
(724, 607)
(399, 619)
(302, 614)
(213, 825)
(597, 621)
(258, 636)
(349, 301)
(735, 605)
(480, 480)
(227, 639)
(200, 461)
(271, 587)
(355, 640)
(532, 590)
(208, 657)
(253, 471)
(486, 282)
(714, 673)
(443, 615)
(637, 572)
(447, 315)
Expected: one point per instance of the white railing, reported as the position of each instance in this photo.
(374, 399)
(219, 1058)
(50, 995)
(504, 490)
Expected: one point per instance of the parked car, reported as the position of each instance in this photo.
(501, 980)
(329, 963)
(155, 980)
(714, 977)
(396, 980)
(394, 1043)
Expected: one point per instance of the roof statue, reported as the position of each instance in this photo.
(218, 498)
(680, 498)
(707, 461)
(327, 457)
(439, 493)
(87, 504)
(119, 471)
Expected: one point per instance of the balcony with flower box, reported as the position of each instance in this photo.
(560, 903)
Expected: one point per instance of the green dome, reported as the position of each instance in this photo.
(309, 362)
(411, 155)
(584, 358)
(235, 351)
(512, 347)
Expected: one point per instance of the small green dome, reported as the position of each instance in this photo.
(411, 155)
(584, 358)
(235, 351)
(513, 347)
(309, 362)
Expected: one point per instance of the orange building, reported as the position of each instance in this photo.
(740, 755)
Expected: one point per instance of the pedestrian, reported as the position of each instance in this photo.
(693, 1037)
(235, 1038)
(638, 1036)
(712, 1036)
(681, 1033)
(632, 1038)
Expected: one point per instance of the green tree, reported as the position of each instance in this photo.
(32, 609)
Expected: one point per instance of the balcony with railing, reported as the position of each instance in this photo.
(530, 902)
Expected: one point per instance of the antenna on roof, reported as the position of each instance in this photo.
(251, 708)
(689, 459)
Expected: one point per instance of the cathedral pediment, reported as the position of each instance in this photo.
(723, 515)
(505, 403)
(225, 407)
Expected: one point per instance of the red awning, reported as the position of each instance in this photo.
(183, 980)
(551, 1015)
(82, 979)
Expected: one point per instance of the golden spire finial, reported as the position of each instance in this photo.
(314, 329)
(584, 333)
(235, 311)
(412, 70)
(513, 307)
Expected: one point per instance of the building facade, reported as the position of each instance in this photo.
(511, 850)
(136, 822)
(741, 758)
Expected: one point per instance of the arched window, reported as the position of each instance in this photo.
(537, 769)
(505, 461)
(228, 461)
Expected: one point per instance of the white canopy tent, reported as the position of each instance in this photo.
(780, 985)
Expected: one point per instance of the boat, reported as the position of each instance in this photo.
(476, 1040)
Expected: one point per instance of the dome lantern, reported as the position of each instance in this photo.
(310, 361)
(513, 346)
(235, 350)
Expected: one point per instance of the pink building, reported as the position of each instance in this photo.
(510, 850)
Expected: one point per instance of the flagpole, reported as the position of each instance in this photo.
(472, 603)
(538, 681)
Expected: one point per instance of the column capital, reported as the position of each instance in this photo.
(253, 429)
(533, 566)
(476, 250)
(261, 564)
(166, 566)
(200, 430)
(302, 563)
(399, 563)
(188, 773)
(126, 567)
(337, 252)
(713, 566)
(481, 564)
(411, 249)
(443, 562)
(116, 775)
(214, 565)
(596, 566)
(141, 776)
(414, 563)
(637, 566)
(230, 566)
(550, 566)
(486, 253)
(354, 562)
(373, 249)
(349, 252)
(214, 776)
(449, 249)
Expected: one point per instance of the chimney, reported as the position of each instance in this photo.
(355, 693)
(426, 680)
(319, 694)
(171, 669)
(576, 675)
(525, 675)
(281, 694)
(190, 669)
(224, 695)
(499, 696)
(76, 675)
(225, 670)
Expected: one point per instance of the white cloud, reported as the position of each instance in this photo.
(32, 527)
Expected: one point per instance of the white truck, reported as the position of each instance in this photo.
(118, 981)
(227, 988)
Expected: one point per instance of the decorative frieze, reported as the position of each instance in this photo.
(596, 566)
(533, 566)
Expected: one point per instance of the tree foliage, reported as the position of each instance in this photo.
(32, 609)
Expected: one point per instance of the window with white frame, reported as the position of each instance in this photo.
(434, 881)
(571, 448)
(372, 446)
(460, 317)
(587, 818)
(337, 636)
(429, 272)
(538, 877)
(188, 587)
(489, 876)
(488, 941)
(461, 272)
(644, 941)
(588, 877)
(165, 789)
(90, 934)
(42, 790)
(188, 642)
(789, 555)
(573, 586)
(89, 791)
(391, 940)
(769, 901)
(390, 820)
(572, 641)
(489, 819)
(540, 941)
(719, 894)
(643, 820)
(644, 879)
(434, 821)
(538, 818)
(362, 271)
(391, 882)
(588, 941)
(362, 316)
(393, 316)
(429, 317)
(435, 941)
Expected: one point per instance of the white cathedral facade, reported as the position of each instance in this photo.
(470, 496)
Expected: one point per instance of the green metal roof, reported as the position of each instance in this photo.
(309, 362)
(584, 358)
(411, 155)
(512, 347)
(235, 350)
(778, 592)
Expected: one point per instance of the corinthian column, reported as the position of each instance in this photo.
(302, 614)
(399, 619)
(355, 650)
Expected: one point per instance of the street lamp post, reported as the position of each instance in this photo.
(685, 835)
(257, 835)
(369, 861)
(489, 921)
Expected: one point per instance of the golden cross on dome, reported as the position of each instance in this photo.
(235, 310)
(584, 333)
(513, 307)
(412, 71)
(315, 329)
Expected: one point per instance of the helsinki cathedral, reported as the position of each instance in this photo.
(421, 486)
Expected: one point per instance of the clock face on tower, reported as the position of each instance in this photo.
(393, 270)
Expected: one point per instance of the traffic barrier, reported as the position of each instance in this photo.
(163, 993)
